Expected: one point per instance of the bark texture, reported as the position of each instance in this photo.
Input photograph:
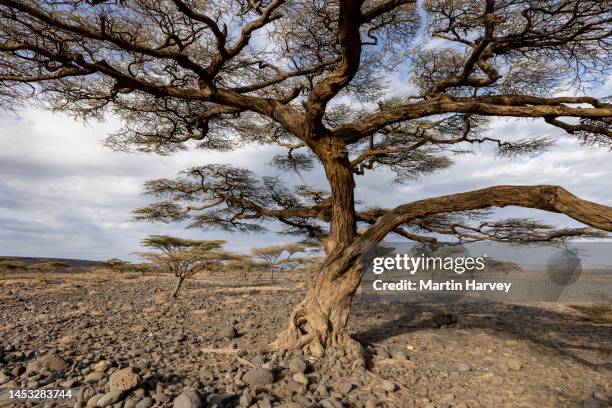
(177, 287)
(319, 322)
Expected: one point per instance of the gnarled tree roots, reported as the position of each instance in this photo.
(316, 327)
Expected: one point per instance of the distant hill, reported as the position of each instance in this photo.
(75, 263)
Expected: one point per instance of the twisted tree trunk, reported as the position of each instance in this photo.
(320, 320)
(179, 282)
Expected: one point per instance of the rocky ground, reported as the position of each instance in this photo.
(117, 341)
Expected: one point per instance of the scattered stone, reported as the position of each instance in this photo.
(331, 403)
(102, 366)
(52, 362)
(4, 378)
(109, 399)
(161, 397)
(316, 350)
(124, 380)
(189, 398)
(294, 387)
(131, 401)
(68, 383)
(297, 365)
(301, 378)
(343, 387)
(514, 364)
(371, 403)
(145, 403)
(258, 376)
(258, 360)
(264, 404)
(94, 400)
(66, 340)
(463, 367)
(268, 366)
(388, 386)
(238, 380)
(246, 399)
(94, 377)
(206, 375)
(322, 390)
(217, 400)
(229, 332)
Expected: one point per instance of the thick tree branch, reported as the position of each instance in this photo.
(350, 42)
(548, 198)
(384, 7)
(508, 105)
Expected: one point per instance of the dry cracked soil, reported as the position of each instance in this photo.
(117, 341)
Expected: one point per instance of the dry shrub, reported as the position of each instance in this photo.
(598, 312)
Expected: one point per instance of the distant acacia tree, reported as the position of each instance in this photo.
(143, 268)
(244, 265)
(183, 257)
(11, 265)
(48, 267)
(116, 264)
(272, 255)
(188, 74)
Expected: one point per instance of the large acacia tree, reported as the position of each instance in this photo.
(310, 76)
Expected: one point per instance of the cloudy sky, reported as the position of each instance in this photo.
(62, 194)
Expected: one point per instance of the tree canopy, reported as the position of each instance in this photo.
(183, 257)
(168, 244)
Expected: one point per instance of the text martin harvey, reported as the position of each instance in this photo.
(450, 285)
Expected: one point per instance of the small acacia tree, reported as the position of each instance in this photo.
(48, 267)
(115, 264)
(244, 265)
(188, 73)
(272, 255)
(11, 265)
(183, 257)
(143, 268)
